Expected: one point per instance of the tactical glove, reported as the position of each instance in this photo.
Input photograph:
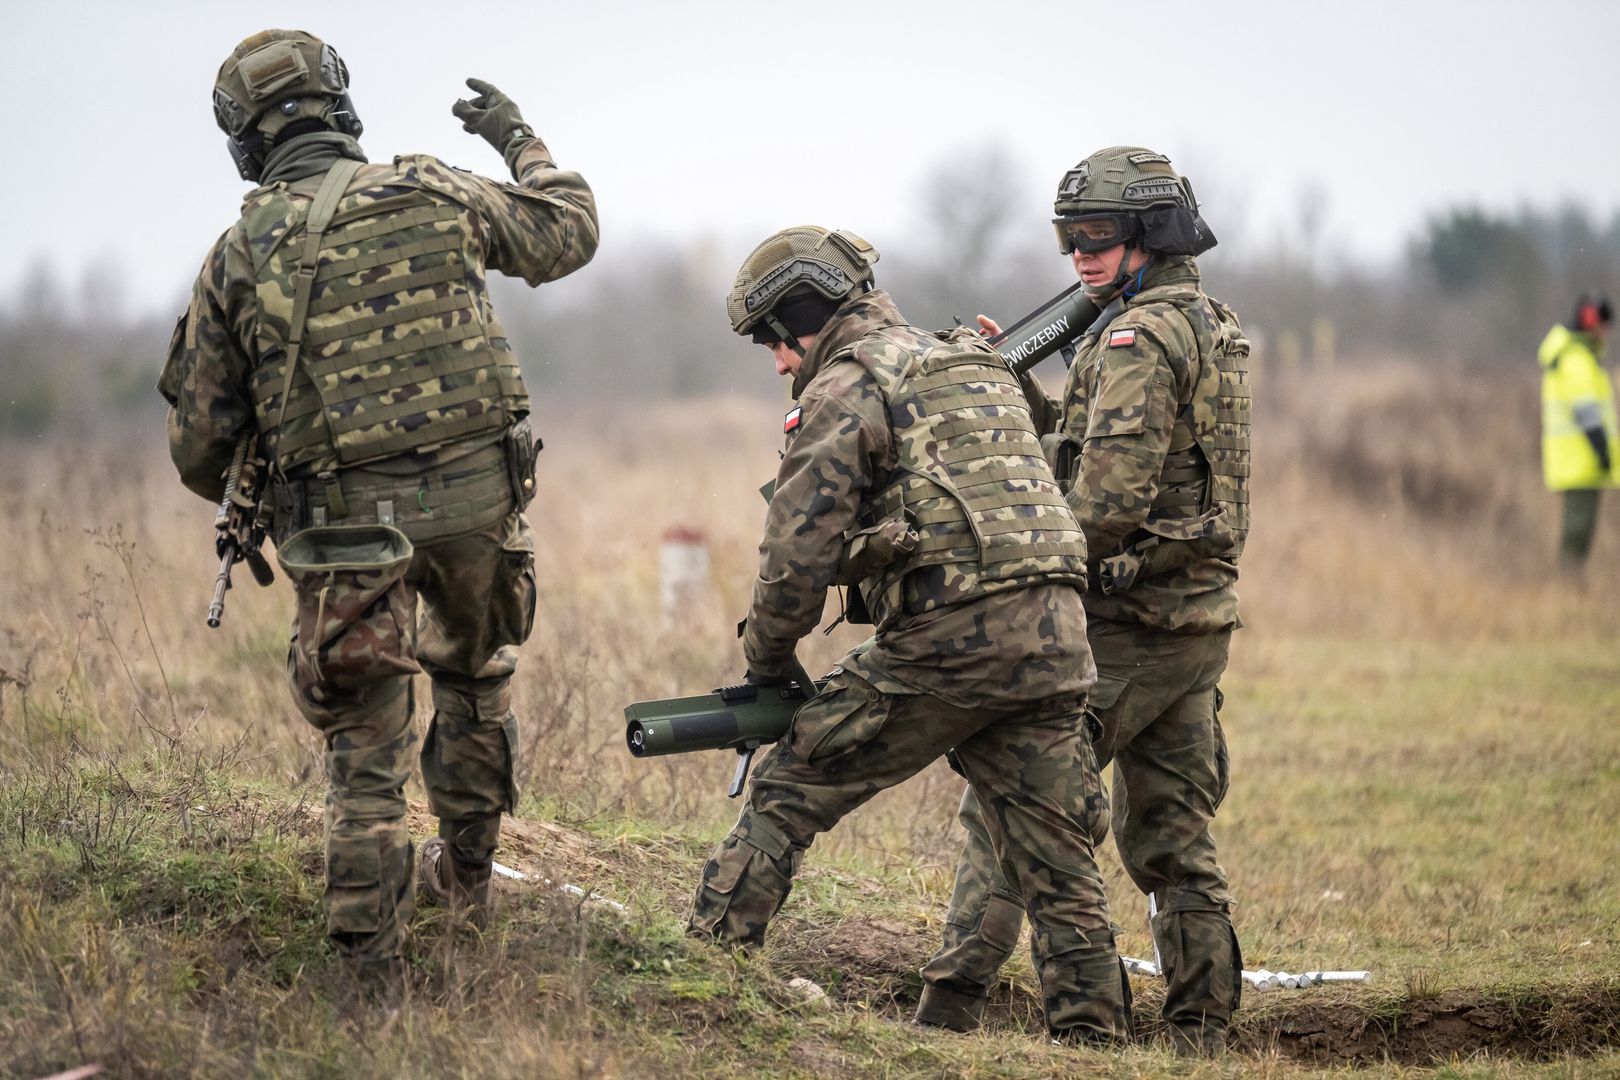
(494, 116)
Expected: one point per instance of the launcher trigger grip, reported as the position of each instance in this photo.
(745, 758)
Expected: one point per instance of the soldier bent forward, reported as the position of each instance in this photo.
(913, 473)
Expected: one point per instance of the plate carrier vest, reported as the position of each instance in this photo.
(1204, 484)
(400, 349)
(970, 477)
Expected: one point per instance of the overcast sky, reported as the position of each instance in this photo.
(724, 120)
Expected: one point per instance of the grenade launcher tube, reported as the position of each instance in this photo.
(731, 718)
(1053, 327)
(741, 718)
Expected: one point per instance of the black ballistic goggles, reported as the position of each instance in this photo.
(1091, 233)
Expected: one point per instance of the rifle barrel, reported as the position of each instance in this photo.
(222, 581)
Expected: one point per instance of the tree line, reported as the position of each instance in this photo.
(1474, 288)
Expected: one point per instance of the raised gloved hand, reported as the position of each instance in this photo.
(492, 115)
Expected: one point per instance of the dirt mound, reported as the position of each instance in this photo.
(872, 961)
(1547, 1023)
(863, 959)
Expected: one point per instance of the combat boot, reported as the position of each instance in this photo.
(949, 1008)
(448, 882)
(372, 973)
(1197, 1040)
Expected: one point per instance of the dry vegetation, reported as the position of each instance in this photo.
(1423, 719)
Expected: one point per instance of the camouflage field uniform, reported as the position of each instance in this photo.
(1156, 393)
(980, 649)
(398, 446)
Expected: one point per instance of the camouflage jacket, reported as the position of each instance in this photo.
(1127, 400)
(541, 228)
(1016, 646)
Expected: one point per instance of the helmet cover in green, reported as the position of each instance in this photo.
(1139, 182)
(270, 80)
(834, 263)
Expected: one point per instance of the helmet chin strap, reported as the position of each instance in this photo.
(1121, 280)
(781, 330)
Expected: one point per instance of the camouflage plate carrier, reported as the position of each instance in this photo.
(400, 347)
(1202, 506)
(971, 497)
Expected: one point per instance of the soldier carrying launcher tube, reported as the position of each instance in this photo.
(913, 474)
(1150, 442)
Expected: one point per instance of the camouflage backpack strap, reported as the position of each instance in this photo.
(320, 216)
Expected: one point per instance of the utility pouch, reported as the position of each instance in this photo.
(868, 550)
(847, 715)
(522, 448)
(353, 627)
(1062, 452)
(289, 503)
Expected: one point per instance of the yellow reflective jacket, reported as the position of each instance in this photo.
(1574, 387)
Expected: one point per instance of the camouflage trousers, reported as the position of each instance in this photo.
(1157, 705)
(1033, 769)
(358, 637)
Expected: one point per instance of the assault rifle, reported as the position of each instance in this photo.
(740, 718)
(240, 524)
(1054, 327)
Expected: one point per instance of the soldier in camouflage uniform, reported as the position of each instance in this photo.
(1151, 442)
(344, 323)
(913, 474)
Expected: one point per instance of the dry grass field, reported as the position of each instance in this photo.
(1424, 720)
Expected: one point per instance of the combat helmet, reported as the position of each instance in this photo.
(273, 80)
(791, 284)
(1131, 195)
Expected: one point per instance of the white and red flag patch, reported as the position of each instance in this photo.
(790, 422)
(1121, 339)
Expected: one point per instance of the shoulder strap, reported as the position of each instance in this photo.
(320, 216)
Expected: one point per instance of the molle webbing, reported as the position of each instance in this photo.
(1183, 485)
(397, 352)
(1228, 445)
(970, 477)
(1218, 418)
(471, 493)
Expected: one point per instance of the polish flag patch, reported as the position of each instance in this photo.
(1121, 339)
(790, 422)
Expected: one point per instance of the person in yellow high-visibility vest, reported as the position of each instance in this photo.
(1580, 436)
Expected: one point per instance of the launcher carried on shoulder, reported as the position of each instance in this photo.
(240, 524)
(1055, 326)
(740, 718)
